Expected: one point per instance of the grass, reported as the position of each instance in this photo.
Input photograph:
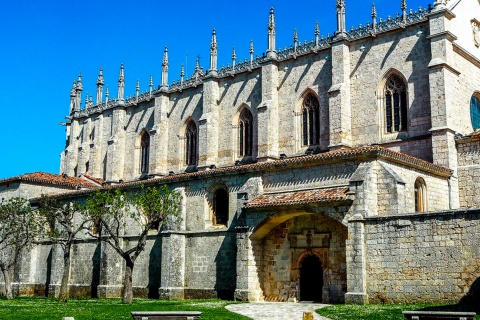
(371, 312)
(107, 309)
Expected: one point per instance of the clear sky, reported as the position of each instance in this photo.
(46, 44)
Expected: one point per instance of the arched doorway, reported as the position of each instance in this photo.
(311, 279)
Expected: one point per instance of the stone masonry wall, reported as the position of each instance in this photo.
(422, 257)
(469, 172)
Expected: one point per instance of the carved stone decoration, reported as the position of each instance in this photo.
(476, 31)
(309, 238)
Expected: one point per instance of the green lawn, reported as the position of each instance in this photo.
(372, 311)
(107, 309)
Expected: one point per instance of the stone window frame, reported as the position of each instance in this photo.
(300, 122)
(144, 152)
(310, 119)
(420, 195)
(398, 129)
(211, 216)
(475, 118)
(190, 148)
(245, 130)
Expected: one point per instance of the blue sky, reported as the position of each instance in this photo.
(46, 44)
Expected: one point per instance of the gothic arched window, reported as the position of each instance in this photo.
(311, 120)
(420, 195)
(245, 133)
(475, 112)
(395, 104)
(191, 143)
(220, 207)
(145, 152)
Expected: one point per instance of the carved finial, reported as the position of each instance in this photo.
(121, 84)
(79, 83)
(374, 16)
(100, 83)
(73, 95)
(213, 51)
(165, 68)
(234, 57)
(150, 85)
(340, 17)
(182, 73)
(271, 34)
(404, 10)
(317, 34)
(137, 90)
(74, 86)
(107, 94)
(251, 51)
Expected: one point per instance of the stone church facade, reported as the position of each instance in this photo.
(345, 169)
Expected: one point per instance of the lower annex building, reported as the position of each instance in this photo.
(345, 169)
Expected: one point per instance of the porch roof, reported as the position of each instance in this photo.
(324, 195)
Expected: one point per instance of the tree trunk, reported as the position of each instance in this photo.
(127, 282)
(7, 275)
(63, 295)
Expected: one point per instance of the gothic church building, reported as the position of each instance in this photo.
(345, 169)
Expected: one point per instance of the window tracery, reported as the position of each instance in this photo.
(191, 144)
(245, 133)
(145, 152)
(311, 120)
(395, 104)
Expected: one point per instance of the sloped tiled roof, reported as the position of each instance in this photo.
(346, 154)
(324, 195)
(51, 178)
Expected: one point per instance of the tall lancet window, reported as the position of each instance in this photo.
(311, 120)
(395, 105)
(245, 133)
(191, 144)
(145, 152)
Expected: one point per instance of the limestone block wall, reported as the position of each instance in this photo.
(210, 267)
(403, 52)
(280, 270)
(469, 172)
(29, 190)
(422, 257)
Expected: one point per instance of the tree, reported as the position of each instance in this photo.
(66, 222)
(147, 209)
(18, 228)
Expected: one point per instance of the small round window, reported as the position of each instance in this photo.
(475, 112)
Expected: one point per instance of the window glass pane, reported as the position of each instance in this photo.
(475, 112)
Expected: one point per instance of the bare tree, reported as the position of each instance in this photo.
(147, 209)
(18, 228)
(66, 221)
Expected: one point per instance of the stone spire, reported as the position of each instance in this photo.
(73, 95)
(340, 17)
(374, 16)
(121, 85)
(150, 85)
(182, 74)
(271, 52)
(213, 52)
(165, 68)
(251, 52)
(317, 34)
(295, 40)
(100, 83)
(234, 57)
(107, 94)
(137, 90)
(78, 93)
(404, 10)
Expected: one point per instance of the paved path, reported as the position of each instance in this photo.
(276, 310)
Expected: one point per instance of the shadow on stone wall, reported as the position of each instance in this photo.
(226, 267)
(48, 279)
(96, 263)
(154, 269)
(468, 303)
